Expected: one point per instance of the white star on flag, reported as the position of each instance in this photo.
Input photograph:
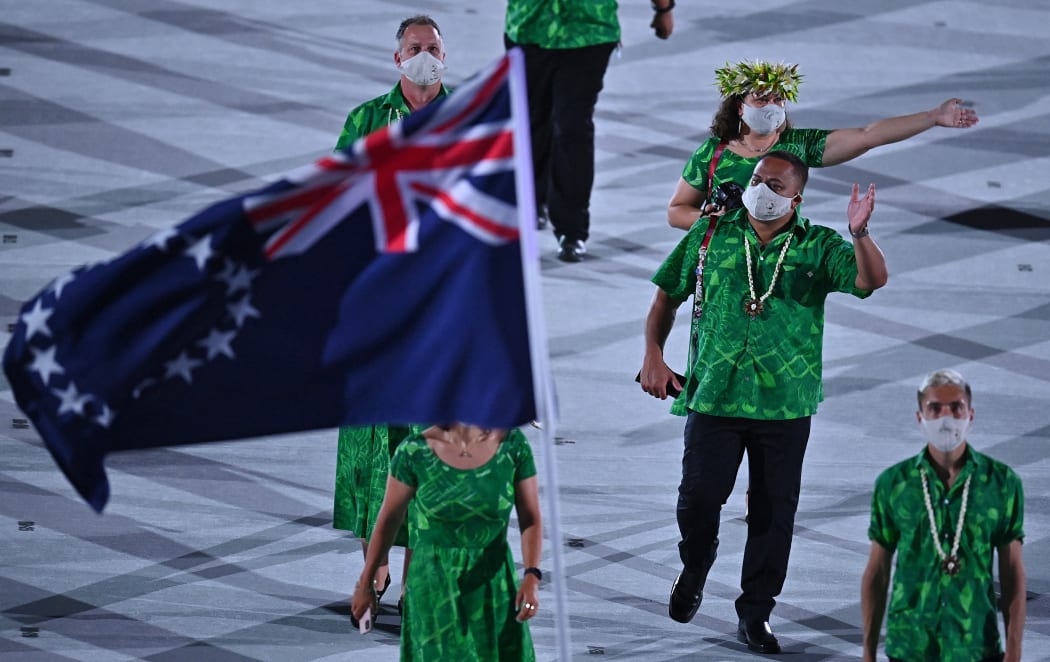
(218, 342)
(242, 310)
(105, 417)
(241, 279)
(201, 251)
(161, 239)
(36, 320)
(44, 363)
(182, 366)
(143, 385)
(71, 400)
(61, 282)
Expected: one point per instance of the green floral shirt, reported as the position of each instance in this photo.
(768, 368)
(933, 615)
(375, 114)
(562, 23)
(807, 144)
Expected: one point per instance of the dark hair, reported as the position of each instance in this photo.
(797, 165)
(421, 19)
(726, 123)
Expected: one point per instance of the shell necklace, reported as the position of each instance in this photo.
(754, 305)
(949, 562)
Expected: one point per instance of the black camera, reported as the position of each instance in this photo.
(727, 196)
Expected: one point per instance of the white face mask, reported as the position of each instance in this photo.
(945, 433)
(764, 120)
(763, 204)
(422, 69)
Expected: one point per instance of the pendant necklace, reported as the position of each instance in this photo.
(753, 306)
(949, 562)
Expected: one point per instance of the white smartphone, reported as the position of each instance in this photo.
(365, 622)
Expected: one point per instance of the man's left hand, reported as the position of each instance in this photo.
(859, 210)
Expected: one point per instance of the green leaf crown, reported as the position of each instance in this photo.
(760, 78)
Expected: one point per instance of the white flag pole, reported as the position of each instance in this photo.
(543, 385)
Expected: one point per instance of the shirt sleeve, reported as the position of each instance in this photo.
(677, 275)
(695, 170)
(841, 265)
(402, 465)
(524, 463)
(358, 123)
(807, 144)
(882, 529)
(1012, 524)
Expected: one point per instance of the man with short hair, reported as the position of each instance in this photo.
(759, 276)
(942, 514)
(363, 460)
(420, 57)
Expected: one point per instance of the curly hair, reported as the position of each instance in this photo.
(726, 123)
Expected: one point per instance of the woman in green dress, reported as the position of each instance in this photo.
(463, 600)
(752, 121)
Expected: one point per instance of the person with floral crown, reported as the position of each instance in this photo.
(752, 121)
(943, 515)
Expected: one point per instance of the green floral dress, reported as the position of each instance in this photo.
(361, 469)
(459, 598)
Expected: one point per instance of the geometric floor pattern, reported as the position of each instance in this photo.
(120, 118)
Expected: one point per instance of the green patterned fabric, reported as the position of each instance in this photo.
(361, 468)
(459, 597)
(933, 615)
(375, 114)
(768, 368)
(562, 23)
(807, 144)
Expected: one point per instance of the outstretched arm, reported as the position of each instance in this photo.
(871, 263)
(845, 144)
(873, 587)
(527, 505)
(1012, 581)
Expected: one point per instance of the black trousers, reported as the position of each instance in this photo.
(563, 86)
(714, 447)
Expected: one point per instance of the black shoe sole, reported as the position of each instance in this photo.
(768, 649)
(686, 614)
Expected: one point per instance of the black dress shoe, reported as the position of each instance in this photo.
(758, 636)
(571, 250)
(686, 594)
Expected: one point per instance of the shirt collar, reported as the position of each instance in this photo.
(395, 99)
(972, 460)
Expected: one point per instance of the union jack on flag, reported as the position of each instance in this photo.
(445, 160)
(337, 295)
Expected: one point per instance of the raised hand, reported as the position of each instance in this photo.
(859, 210)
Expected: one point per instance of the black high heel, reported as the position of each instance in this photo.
(379, 593)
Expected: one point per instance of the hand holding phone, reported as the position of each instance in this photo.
(364, 624)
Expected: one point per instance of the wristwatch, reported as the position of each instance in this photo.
(535, 572)
(863, 232)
